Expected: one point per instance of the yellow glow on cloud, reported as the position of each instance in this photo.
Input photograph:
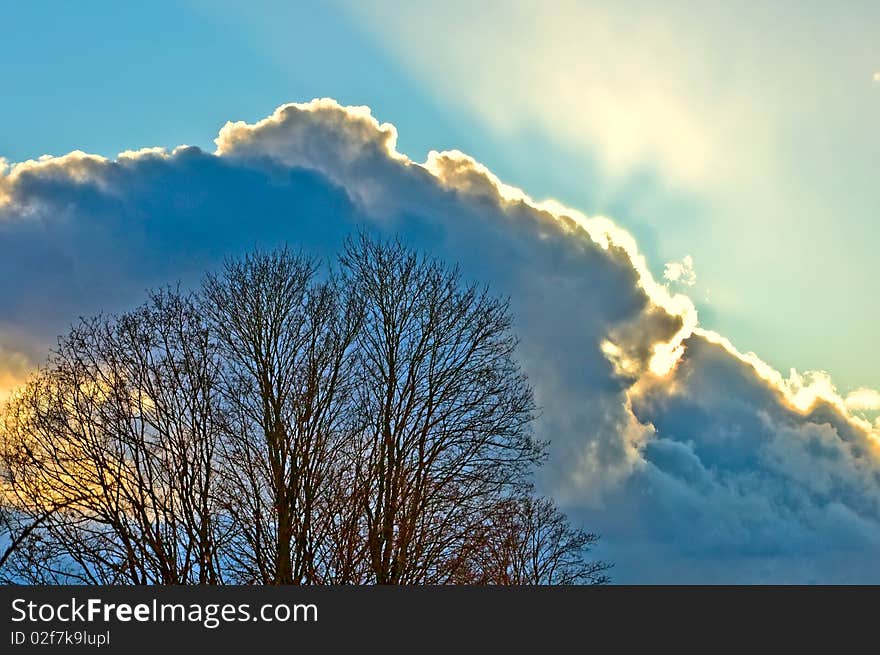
(155, 151)
(801, 391)
(623, 365)
(600, 229)
(76, 165)
(14, 370)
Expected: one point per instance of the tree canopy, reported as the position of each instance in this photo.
(287, 423)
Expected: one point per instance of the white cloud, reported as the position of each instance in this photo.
(863, 399)
(681, 272)
(696, 461)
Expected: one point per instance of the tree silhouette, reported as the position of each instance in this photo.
(287, 424)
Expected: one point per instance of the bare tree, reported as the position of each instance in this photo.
(287, 425)
(286, 342)
(109, 453)
(530, 542)
(444, 407)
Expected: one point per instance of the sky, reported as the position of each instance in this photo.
(685, 197)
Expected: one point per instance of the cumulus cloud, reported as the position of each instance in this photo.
(696, 462)
(863, 399)
(681, 272)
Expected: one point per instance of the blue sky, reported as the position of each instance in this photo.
(106, 76)
(739, 148)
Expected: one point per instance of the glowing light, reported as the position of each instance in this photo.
(681, 272)
(863, 399)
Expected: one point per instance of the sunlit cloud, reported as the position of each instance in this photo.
(681, 272)
(17, 359)
(863, 399)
